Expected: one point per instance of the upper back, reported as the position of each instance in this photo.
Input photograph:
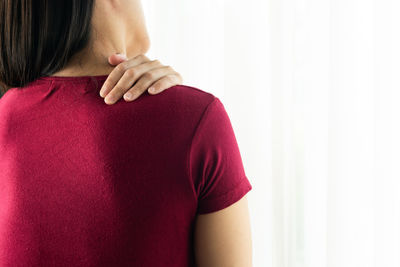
(86, 183)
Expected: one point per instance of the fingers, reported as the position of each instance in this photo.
(150, 78)
(118, 71)
(165, 83)
(128, 79)
(115, 59)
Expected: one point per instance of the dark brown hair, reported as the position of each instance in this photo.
(37, 38)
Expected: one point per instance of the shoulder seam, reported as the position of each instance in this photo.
(196, 130)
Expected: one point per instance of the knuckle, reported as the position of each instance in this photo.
(148, 76)
(156, 61)
(131, 72)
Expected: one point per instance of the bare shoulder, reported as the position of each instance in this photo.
(223, 238)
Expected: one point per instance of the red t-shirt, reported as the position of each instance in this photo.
(83, 183)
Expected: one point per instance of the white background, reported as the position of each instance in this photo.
(312, 88)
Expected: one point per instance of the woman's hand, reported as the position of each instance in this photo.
(132, 77)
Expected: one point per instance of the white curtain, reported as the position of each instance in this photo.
(312, 88)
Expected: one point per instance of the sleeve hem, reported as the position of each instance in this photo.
(223, 201)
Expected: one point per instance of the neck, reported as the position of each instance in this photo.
(93, 60)
(117, 27)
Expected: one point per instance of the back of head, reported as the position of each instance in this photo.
(37, 38)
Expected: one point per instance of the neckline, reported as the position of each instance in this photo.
(74, 78)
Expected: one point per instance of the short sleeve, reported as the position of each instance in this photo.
(215, 162)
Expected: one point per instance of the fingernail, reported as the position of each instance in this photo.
(109, 100)
(128, 96)
(152, 90)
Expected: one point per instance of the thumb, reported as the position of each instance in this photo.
(115, 59)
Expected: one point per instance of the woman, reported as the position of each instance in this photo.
(155, 182)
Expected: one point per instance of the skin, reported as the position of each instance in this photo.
(119, 28)
(221, 238)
